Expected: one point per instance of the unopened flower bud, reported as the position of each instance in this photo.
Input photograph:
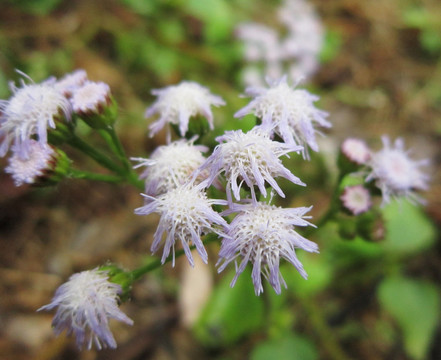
(94, 103)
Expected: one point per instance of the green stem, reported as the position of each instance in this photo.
(100, 158)
(79, 174)
(324, 332)
(140, 272)
(110, 136)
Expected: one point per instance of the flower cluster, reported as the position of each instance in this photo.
(269, 55)
(391, 170)
(177, 177)
(200, 193)
(37, 112)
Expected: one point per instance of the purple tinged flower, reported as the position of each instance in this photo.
(84, 306)
(186, 215)
(356, 151)
(26, 170)
(287, 112)
(178, 103)
(180, 158)
(30, 111)
(251, 158)
(356, 199)
(395, 173)
(70, 82)
(262, 234)
(91, 98)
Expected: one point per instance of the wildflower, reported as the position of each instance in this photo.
(93, 102)
(356, 151)
(262, 234)
(186, 215)
(180, 158)
(356, 199)
(271, 54)
(289, 113)
(251, 158)
(27, 170)
(30, 111)
(395, 173)
(90, 98)
(177, 104)
(261, 42)
(84, 305)
(304, 39)
(70, 82)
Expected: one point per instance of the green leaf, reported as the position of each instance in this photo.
(217, 16)
(320, 274)
(231, 313)
(408, 230)
(415, 305)
(288, 347)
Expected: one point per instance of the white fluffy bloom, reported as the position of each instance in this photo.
(287, 112)
(262, 234)
(395, 173)
(72, 81)
(251, 158)
(84, 306)
(30, 111)
(186, 215)
(178, 103)
(356, 151)
(356, 199)
(170, 165)
(296, 52)
(26, 170)
(90, 98)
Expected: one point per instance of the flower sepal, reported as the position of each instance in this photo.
(103, 116)
(121, 277)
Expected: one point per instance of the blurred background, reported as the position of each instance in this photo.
(379, 72)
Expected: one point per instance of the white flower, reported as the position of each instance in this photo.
(30, 111)
(251, 158)
(356, 151)
(90, 98)
(395, 173)
(186, 215)
(262, 234)
(356, 199)
(70, 82)
(26, 170)
(289, 113)
(84, 306)
(177, 104)
(295, 52)
(171, 164)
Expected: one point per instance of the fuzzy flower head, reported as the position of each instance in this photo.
(356, 199)
(91, 98)
(262, 234)
(70, 82)
(251, 158)
(84, 306)
(30, 111)
(186, 215)
(27, 170)
(395, 173)
(356, 151)
(177, 104)
(289, 113)
(180, 158)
